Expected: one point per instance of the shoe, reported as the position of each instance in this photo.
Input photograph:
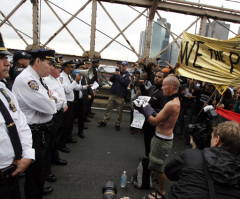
(91, 113)
(72, 141)
(47, 190)
(60, 162)
(87, 120)
(90, 116)
(51, 178)
(117, 127)
(101, 123)
(64, 149)
(81, 135)
(85, 127)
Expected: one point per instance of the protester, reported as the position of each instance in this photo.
(237, 103)
(164, 121)
(118, 93)
(157, 103)
(227, 102)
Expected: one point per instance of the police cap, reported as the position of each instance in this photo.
(43, 54)
(95, 61)
(87, 61)
(58, 58)
(69, 63)
(3, 50)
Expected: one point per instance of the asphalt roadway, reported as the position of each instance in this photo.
(102, 156)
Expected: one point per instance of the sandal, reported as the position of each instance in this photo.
(155, 195)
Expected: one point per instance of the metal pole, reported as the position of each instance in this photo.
(93, 29)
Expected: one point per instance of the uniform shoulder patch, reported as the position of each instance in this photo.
(19, 69)
(33, 85)
(61, 79)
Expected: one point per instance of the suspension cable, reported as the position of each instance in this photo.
(90, 25)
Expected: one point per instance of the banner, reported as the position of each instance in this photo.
(225, 115)
(210, 60)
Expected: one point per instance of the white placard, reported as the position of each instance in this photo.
(95, 86)
(138, 120)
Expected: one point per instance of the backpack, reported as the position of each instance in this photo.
(142, 178)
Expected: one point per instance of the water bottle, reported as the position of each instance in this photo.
(123, 179)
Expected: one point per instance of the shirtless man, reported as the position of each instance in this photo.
(164, 121)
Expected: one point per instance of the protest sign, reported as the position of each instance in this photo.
(210, 60)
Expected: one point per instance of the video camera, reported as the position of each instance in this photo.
(201, 132)
(109, 191)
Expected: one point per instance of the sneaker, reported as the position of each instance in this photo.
(101, 123)
(117, 127)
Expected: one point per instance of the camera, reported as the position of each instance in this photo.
(109, 191)
(117, 69)
(201, 132)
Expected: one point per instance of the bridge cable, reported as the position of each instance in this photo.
(90, 26)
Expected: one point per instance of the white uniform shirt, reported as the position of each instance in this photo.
(33, 98)
(70, 86)
(25, 135)
(58, 91)
(83, 87)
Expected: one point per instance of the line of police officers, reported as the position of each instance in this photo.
(47, 101)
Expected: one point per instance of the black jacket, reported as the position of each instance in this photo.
(157, 97)
(120, 84)
(188, 171)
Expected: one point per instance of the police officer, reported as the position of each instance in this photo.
(81, 95)
(95, 65)
(56, 87)
(20, 62)
(16, 152)
(38, 105)
(69, 84)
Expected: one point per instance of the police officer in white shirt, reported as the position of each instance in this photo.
(78, 101)
(69, 84)
(10, 165)
(56, 87)
(37, 103)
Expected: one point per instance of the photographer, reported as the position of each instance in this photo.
(118, 93)
(219, 164)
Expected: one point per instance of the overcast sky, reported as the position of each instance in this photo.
(64, 43)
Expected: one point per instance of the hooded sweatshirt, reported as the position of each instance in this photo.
(188, 171)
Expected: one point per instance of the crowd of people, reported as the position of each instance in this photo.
(41, 96)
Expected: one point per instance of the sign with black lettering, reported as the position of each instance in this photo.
(210, 60)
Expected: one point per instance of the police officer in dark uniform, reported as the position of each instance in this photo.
(95, 65)
(16, 152)
(20, 62)
(37, 103)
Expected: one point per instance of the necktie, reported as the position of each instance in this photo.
(44, 85)
(12, 131)
(70, 78)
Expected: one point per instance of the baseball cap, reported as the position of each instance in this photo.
(124, 63)
(20, 55)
